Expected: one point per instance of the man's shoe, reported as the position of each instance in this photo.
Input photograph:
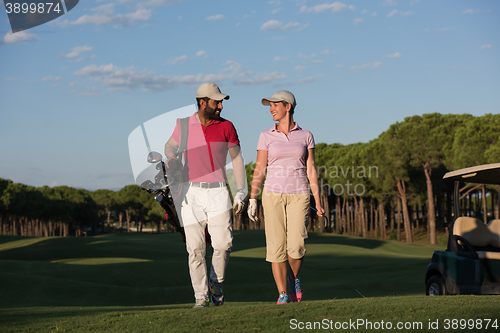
(201, 303)
(216, 293)
(283, 298)
(295, 289)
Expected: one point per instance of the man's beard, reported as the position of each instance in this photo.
(211, 113)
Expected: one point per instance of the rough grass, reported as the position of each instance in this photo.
(140, 283)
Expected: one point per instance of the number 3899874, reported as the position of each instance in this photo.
(40, 8)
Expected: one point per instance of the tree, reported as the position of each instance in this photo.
(128, 200)
(393, 160)
(478, 142)
(105, 200)
(427, 138)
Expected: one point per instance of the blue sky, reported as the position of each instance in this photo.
(72, 90)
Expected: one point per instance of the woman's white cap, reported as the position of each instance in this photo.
(280, 96)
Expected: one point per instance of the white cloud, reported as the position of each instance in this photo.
(87, 58)
(92, 91)
(371, 65)
(93, 70)
(366, 12)
(395, 11)
(11, 79)
(486, 46)
(357, 20)
(471, 11)
(391, 2)
(327, 51)
(50, 78)
(104, 15)
(413, 2)
(215, 17)
(177, 60)
(260, 78)
(301, 81)
(304, 56)
(395, 55)
(116, 78)
(334, 7)
(19, 37)
(201, 53)
(280, 58)
(154, 3)
(271, 25)
(446, 29)
(299, 68)
(274, 25)
(75, 52)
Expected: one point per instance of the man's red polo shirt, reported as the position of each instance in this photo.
(207, 149)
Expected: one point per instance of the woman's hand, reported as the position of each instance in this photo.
(319, 210)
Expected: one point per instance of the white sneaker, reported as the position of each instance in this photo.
(201, 303)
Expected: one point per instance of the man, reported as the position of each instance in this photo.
(206, 202)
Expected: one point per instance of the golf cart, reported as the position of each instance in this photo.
(471, 262)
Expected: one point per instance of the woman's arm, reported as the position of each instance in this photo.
(258, 174)
(312, 175)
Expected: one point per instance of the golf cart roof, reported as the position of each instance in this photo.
(480, 174)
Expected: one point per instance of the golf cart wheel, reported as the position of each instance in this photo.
(435, 286)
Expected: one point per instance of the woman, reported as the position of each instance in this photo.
(288, 152)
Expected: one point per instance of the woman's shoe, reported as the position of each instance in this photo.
(283, 298)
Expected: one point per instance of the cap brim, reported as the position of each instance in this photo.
(219, 97)
(216, 97)
(267, 101)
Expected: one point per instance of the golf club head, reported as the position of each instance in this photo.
(147, 185)
(154, 157)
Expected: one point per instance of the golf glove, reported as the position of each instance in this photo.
(252, 210)
(239, 202)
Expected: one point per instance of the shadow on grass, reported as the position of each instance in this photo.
(87, 272)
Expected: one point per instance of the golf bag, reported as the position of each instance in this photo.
(170, 192)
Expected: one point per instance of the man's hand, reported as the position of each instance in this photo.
(174, 164)
(239, 202)
(252, 210)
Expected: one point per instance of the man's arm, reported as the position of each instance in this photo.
(171, 148)
(238, 167)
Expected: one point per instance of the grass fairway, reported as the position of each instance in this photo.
(140, 283)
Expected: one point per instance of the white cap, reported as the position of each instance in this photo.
(212, 91)
(280, 96)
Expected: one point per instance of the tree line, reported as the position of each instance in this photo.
(63, 211)
(391, 187)
(394, 184)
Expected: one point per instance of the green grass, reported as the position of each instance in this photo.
(140, 283)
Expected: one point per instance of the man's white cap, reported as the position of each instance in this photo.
(212, 91)
(280, 96)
